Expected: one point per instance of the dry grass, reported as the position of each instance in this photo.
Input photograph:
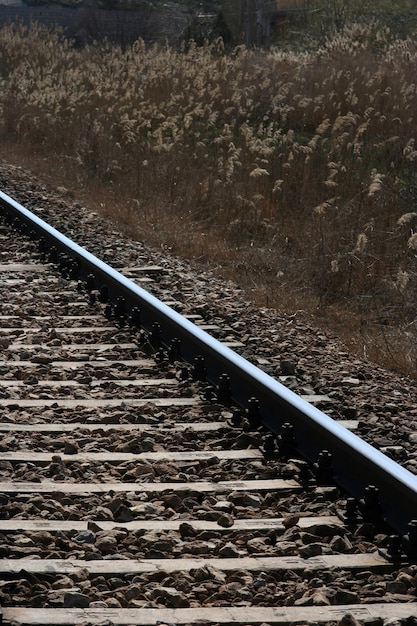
(294, 173)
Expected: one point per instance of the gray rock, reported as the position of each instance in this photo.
(85, 536)
(256, 546)
(287, 368)
(171, 596)
(340, 544)
(187, 530)
(71, 447)
(207, 572)
(348, 620)
(226, 520)
(106, 544)
(343, 596)
(320, 599)
(253, 500)
(113, 603)
(229, 551)
(76, 600)
(312, 549)
(223, 505)
(132, 592)
(290, 520)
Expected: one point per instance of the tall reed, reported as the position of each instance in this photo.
(299, 166)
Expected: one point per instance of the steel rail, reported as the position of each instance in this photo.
(356, 466)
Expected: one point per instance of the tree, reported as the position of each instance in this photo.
(335, 14)
(249, 21)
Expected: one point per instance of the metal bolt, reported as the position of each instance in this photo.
(53, 255)
(156, 334)
(90, 282)
(286, 440)
(184, 373)
(210, 394)
(135, 317)
(394, 547)
(174, 352)
(412, 540)
(104, 294)
(351, 512)
(253, 413)
(119, 308)
(270, 443)
(63, 262)
(236, 419)
(323, 468)
(42, 244)
(223, 389)
(160, 355)
(74, 269)
(199, 370)
(370, 506)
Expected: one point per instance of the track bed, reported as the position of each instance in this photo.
(128, 495)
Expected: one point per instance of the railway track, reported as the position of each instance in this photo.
(150, 475)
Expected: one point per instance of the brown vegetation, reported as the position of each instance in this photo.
(294, 173)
